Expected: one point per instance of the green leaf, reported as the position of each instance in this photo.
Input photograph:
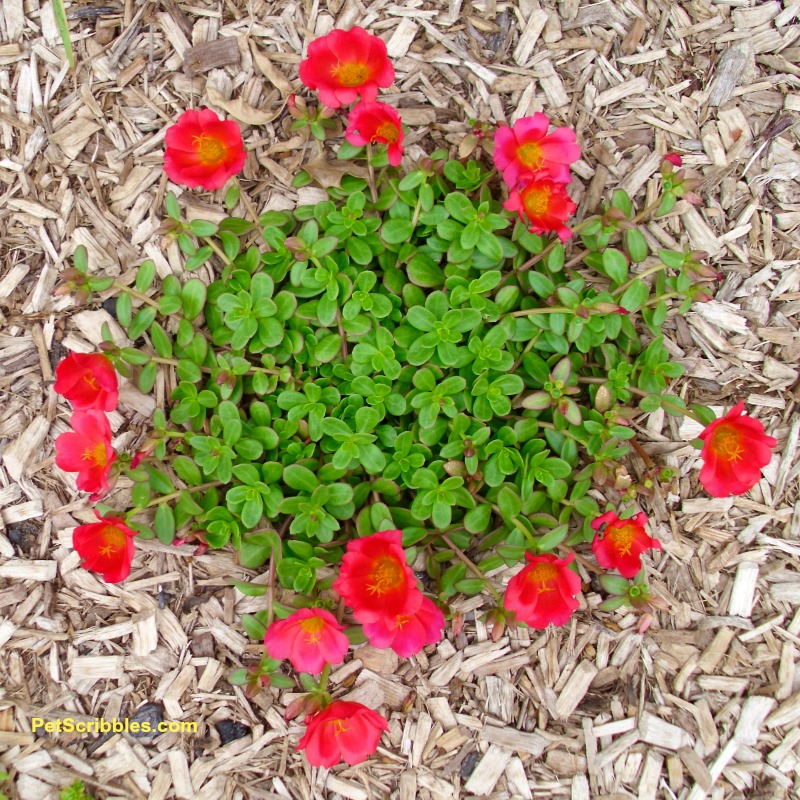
(396, 231)
(161, 341)
(460, 208)
(145, 275)
(193, 298)
(300, 478)
(328, 348)
(635, 296)
(164, 524)
(636, 245)
(63, 31)
(615, 265)
(253, 627)
(202, 228)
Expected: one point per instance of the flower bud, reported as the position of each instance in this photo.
(674, 159)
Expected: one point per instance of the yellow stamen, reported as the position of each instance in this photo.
(622, 538)
(530, 155)
(727, 444)
(91, 381)
(351, 73)
(313, 627)
(536, 201)
(96, 454)
(386, 575)
(387, 132)
(209, 150)
(114, 541)
(340, 726)
(544, 574)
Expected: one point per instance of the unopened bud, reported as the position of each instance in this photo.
(674, 159)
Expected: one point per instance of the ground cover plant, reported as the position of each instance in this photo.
(403, 383)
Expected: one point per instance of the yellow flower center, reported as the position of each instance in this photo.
(536, 201)
(543, 574)
(313, 627)
(386, 575)
(96, 454)
(209, 150)
(351, 73)
(401, 621)
(622, 538)
(113, 540)
(339, 726)
(89, 378)
(530, 155)
(727, 443)
(387, 132)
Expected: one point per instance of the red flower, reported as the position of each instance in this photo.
(105, 546)
(376, 122)
(375, 579)
(88, 381)
(203, 150)
(345, 65)
(87, 450)
(545, 205)
(310, 638)
(526, 150)
(674, 159)
(407, 634)
(734, 451)
(343, 731)
(621, 544)
(544, 591)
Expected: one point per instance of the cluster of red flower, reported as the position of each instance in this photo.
(89, 382)
(346, 65)
(535, 164)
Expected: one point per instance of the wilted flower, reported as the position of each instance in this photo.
(87, 450)
(735, 450)
(371, 123)
(345, 65)
(203, 150)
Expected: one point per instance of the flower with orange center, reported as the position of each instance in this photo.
(106, 547)
(407, 634)
(735, 449)
(88, 381)
(375, 579)
(620, 545)
(544, 206)
(345, 65)
(526, 151)
(371, 123)
(203, 150)
(543, 592)
(87, 450)
(310, 638)
(343, 731)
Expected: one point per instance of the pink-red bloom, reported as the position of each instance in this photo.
(371, 123)
(375, 579)
(87, 450)
(106, 547)
(621, 544)
(203, 150)
(734, 451)
(310, 638)
(674, 159)
(526, 151)
(407, 634)
(543, 592)
(343, 731)
(544, 205)
(88, 381)
(345, 65)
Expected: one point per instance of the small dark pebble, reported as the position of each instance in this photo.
(23, 535)
(468, 764)
(57, 354)
(149, 712)
(110, 305)
(231, 731)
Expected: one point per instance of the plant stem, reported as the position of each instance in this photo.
(528, 312)
(649, 271)
(173, 495)
(220, 253)
(371, 175)
(642, 453)
(174, 363)
(323, 678)
(472, 567)
(133, 293)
